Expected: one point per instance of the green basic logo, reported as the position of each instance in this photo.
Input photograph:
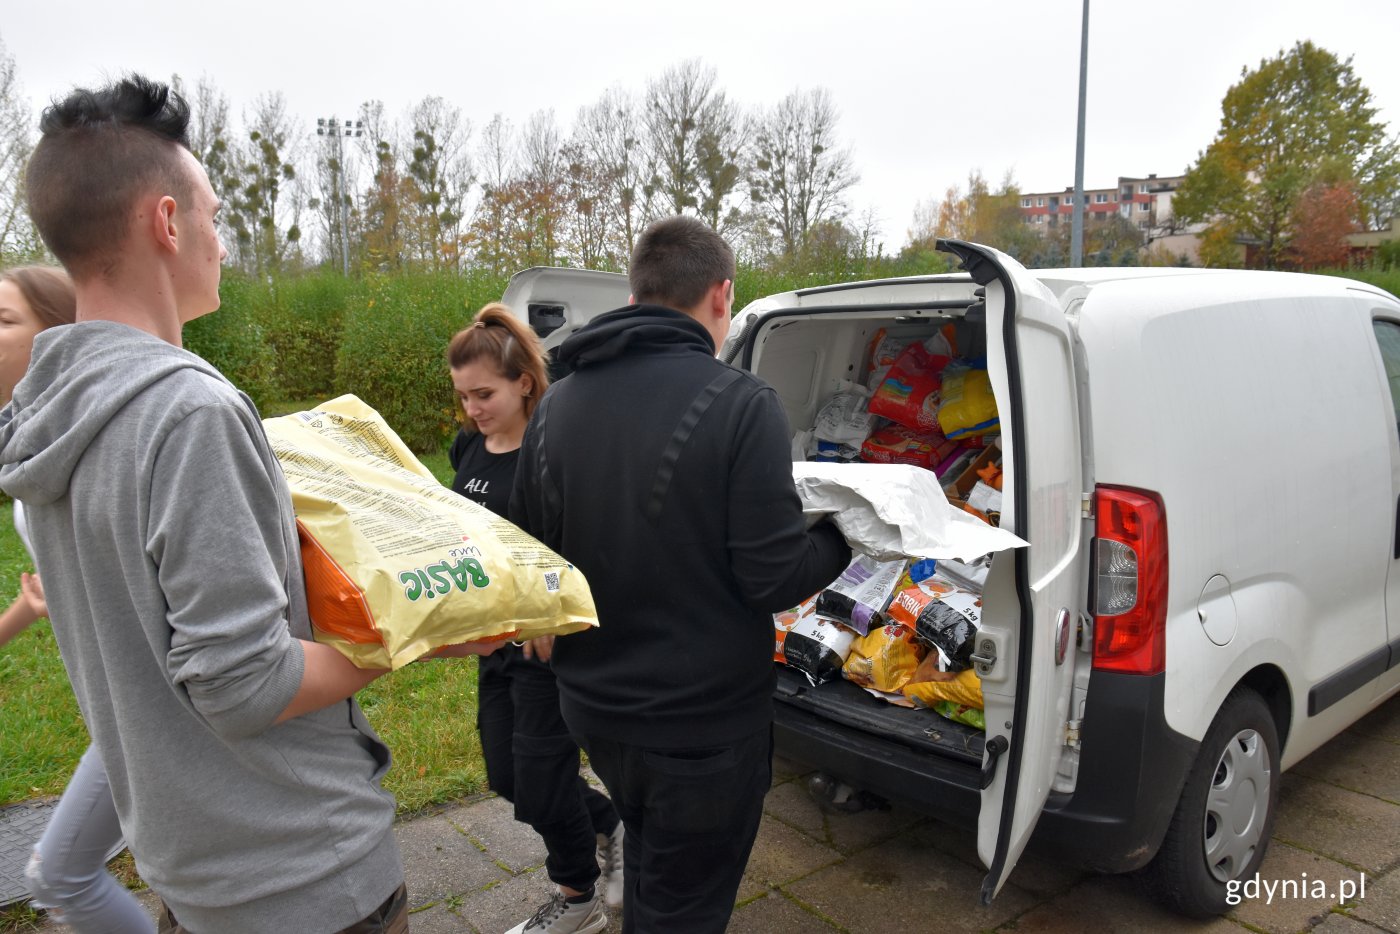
(439, 579)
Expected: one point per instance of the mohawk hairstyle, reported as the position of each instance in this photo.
(100, 150)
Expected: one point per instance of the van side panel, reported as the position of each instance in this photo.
(1254, 411)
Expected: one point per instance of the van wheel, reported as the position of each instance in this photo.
(1223, 821)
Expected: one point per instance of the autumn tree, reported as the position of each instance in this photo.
(1325, 214)
(797, 174)
(979, 214)
(1282, 124)
(588, 221)
(382, 204)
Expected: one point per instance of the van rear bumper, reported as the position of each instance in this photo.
(1132, 767)
(931, 783)
(1131, 771)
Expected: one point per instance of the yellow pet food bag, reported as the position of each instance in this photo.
(397, 565)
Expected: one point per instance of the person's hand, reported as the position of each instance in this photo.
(31, 591)
(540, 647)
(464, 649)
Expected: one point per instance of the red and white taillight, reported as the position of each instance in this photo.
(1130, 580)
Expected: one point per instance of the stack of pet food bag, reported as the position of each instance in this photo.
(903, 626)
(919, 404)
(396, 564)
(904, 630)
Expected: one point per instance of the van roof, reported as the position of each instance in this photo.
(1210, 286)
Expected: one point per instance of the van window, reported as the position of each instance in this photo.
(1388, 336)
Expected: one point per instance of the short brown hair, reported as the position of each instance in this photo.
(48, 292)
(677, 259)
(101, 150)
(514, 350)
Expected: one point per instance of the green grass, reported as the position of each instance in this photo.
(426, 713)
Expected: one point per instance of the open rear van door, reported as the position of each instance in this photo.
(1034, 596)
(556, 302)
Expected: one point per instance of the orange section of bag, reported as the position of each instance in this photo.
(336, 605)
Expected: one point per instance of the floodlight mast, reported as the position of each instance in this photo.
(331, 126)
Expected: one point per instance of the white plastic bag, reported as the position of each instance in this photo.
(890, 511)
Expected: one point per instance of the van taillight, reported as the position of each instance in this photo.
(1130, 580)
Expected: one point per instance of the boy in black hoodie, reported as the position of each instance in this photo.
(665, 476)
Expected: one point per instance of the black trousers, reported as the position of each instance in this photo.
(533, 762)
(691, 817)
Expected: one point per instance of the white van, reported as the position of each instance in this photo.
(1206, 464)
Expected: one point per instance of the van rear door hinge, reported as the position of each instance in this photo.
(1072, 733)
(1086, 506)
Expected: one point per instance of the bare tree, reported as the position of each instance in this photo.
(798, 177)
(542, 163)
(381, 205)
(17, 237)
(211, 142)
(265, 211)
(694, 134)
(440, 172)
(610, 133)
(496, 162)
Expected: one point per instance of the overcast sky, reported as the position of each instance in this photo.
(926, 90)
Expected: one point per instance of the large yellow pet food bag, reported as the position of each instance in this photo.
(398, 565)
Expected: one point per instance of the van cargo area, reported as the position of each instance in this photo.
(807, 356)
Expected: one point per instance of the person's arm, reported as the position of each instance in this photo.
(27, 608)
(327, 677)
(216, 535)
(776, 559)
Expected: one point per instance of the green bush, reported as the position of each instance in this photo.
(303, 323)
(1388, 256)
(1389, 280)
(393, 347)
(233, 339)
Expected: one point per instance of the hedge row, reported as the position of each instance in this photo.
(306, 339)
(318, 336)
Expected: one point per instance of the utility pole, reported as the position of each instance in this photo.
(331, 126)
(1076, 237)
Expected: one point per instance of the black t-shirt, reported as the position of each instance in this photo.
(482, 477)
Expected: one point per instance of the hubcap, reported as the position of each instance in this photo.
(1236, 805)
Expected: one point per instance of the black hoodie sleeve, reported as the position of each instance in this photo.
(776, 559)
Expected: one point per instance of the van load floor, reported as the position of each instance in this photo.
(844, 702)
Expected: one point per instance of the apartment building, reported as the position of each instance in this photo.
(1146, 203)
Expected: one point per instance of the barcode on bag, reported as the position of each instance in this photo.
(551, 581)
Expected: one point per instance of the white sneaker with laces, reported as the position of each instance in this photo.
(610, 860)
(558, 916)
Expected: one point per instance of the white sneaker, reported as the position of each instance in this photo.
(610, 860)
(557, 916)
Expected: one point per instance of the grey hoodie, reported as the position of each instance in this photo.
(164, 534)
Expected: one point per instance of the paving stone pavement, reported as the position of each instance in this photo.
(472, 868)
